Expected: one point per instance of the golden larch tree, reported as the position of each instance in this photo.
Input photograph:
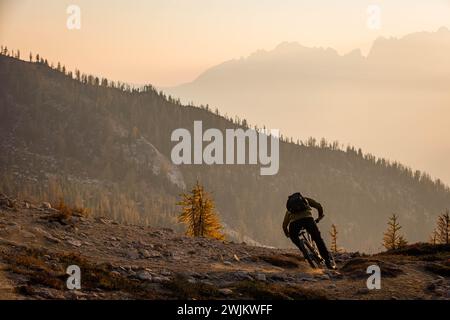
(443, 228)
(198, 213)
(392, 238)
(434, 237)
(333, 234)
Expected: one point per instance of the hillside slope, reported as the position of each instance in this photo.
(108, 149)
(393, 101)
(119, 261)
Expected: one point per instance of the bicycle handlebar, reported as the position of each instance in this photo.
(318, 219)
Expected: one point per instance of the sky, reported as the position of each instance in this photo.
(168, 42)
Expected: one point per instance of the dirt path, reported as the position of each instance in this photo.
(146, 263)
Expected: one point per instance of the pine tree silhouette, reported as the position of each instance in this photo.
(392, 239)
(199, 215)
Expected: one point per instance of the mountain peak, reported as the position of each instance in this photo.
(443, 30)
(287, 46)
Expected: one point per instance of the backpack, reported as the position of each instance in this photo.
(297, 203)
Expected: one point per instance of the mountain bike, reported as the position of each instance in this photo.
(309, 249)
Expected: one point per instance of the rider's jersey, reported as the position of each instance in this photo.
(290, 217)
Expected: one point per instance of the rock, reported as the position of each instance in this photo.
(144, 253)
(160, 279)
(133, 254)
(227, 263)
(332, 286)
(144, 275)
(78, 295)
(334, 274)
(324, 277)
(290, 279)
(103, 220)
(75, 243)
(441, 292)
(305, 279)
(226, 291)
(363, 291)
(155, 254)
(51, 238)
(46, 205)
(243, 275)
(260, 277)
(116, 273)
(308, 279)
(438, 281)
(166, 273)
(27, 235)
(191, 280)
(431, 287)
(235, 257)
(168, 254)
(50, 294)
(304, 275)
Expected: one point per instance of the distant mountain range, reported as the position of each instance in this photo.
(107, 148)
(394, 101)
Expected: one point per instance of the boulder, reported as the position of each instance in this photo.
(144, 275)
(260, 277)
(226, 291)
(46, 205)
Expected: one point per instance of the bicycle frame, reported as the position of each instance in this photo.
(310, 250)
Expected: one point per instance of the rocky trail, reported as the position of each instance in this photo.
(118, 261)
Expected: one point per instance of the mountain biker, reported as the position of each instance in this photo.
(299, 216)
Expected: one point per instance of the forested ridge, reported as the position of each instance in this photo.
(106, 146)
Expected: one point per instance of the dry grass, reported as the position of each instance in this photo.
(441, 269)
(41, 271)
(420, 249)
(357, 267)
(182, 289)
(31, 264)
(282, 261)
(265, 291)
(66, 213)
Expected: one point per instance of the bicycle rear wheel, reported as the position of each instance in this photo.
(314, 255)
(308, 255)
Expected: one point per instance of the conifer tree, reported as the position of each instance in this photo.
(443, 228)
(333, 234)
(199, 215)
(434, 237)
(392, 238)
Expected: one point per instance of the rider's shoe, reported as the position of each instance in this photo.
(330, 264)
